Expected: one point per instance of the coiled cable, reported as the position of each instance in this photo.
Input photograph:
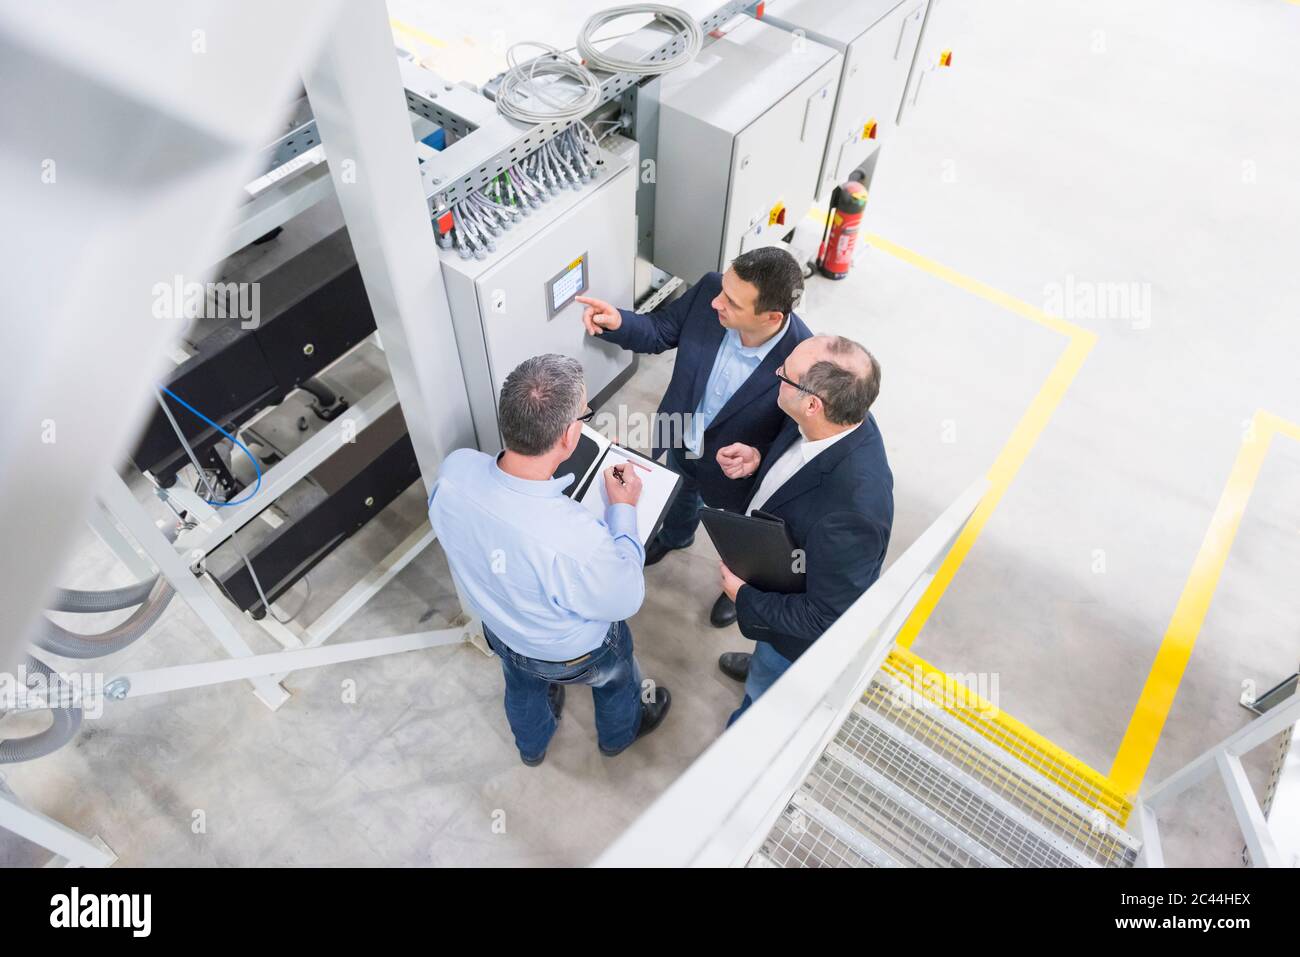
(531, 92)
(673, 16)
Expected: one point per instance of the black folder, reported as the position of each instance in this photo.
(757, 548)
(579, 465)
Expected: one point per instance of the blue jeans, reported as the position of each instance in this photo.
(765, 666)
(683, 516)
(611, 670)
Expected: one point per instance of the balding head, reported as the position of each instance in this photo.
(838, 372)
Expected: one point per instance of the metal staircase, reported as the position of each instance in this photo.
(864, 755)
(905, 783)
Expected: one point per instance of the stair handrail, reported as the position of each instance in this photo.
(720, 809)
(1224, 757)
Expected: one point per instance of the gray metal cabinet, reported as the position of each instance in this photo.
(878, 39)
(500, 307)
(742, 134)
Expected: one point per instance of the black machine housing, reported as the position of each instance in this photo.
(314, 310)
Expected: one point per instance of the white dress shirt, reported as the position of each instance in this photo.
(791, 461)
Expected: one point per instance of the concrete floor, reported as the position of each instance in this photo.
(1105, 142)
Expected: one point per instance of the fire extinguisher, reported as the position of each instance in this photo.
(841, 235)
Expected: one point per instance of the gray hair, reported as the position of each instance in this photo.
(846, 395)
(541, 398)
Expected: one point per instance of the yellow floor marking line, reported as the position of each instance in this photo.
(1027, 430)
(1003, 731)
(1143, 733)
(415, 33)
(1012, 736)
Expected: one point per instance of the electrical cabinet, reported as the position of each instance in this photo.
(742, 136)
(518, 301)
(878, 39)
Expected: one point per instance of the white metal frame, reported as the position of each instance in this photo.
(718, 812)
(364, 124)
(85, 247)
(70, 848)
(250, 668)
(1225, 757)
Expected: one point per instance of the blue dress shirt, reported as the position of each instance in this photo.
(543, 573)
(733, 364)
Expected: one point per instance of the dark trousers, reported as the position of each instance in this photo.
(683, 516)
(611, 670)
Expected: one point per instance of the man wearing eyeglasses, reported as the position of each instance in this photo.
(731, 331)
(827, 477)
(553, 583)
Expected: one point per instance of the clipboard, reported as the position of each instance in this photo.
(756, 547)
(659, 484)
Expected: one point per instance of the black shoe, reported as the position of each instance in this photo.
(652, 715)
(555, 696)
(657, 550)
(723, 613)
(735, 665)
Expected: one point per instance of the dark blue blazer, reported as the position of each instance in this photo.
(839, 509)
(690, 325)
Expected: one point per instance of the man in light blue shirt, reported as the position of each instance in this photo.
(552, 583)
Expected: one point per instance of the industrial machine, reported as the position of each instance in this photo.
(878, 40)
(742, 134)
(518, 300)
(312, 309)
(313, 314)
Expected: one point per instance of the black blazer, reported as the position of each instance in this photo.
(839, 509)
(690, 325)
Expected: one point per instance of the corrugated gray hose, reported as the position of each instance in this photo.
(68, 644)
(152, 595)
(113, 599)
(66, 723)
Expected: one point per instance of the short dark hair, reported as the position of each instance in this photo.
(539, 400)
(775, 274)
(846, 396)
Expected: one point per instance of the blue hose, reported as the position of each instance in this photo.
(251, 457)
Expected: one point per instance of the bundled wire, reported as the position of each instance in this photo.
(549, 87)
(567, 160)
(674, 17)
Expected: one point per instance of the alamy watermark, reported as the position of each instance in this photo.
(31, 690)
(975, 691)
(647, 430)
(1086, 299)
(179, 299)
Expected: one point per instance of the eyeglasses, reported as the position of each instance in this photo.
(588, 415)
(780, 374)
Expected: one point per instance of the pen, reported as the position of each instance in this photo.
(618, 474)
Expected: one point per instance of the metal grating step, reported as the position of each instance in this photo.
(904, 783)
(962, 801)
(887, 819)
(809, 835)
(955, 702)
(1020, 789)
